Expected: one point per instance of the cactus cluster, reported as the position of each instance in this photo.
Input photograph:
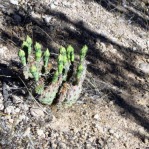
(61, 83)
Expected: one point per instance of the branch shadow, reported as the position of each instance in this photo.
(108, 68)
(135, 14)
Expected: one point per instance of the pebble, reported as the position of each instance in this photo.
(20, 118)
(1, 106)
(16, 99)
(96, 117)
(35, 15)
(103, 47)
(24, 107)
(53, 6)
(40, 133)
(111, 131)
(37, 112)
(47, 18)
(9, 110)
(27, 132)
(14, 2)
(144, 67)
(146, 140)
(63, 146)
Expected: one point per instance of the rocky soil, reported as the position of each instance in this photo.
(113, 110)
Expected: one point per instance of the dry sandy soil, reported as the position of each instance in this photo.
(113, 110)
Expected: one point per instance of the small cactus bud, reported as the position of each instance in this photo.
(21, 54)
(46, 57)
(55, 77)
(64, 54)
(29, 40)
(37, 46)
(83, 52)
(46, 53)
(70, 53)
(35, 74)
(25, 44)
(62, 51)
(33, 69)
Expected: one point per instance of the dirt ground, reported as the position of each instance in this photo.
(113, 110)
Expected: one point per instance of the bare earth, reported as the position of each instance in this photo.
(113, 110)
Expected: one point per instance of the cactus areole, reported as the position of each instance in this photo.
(59, 83)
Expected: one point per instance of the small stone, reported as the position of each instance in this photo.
(37, 112)
(10, 121)
(103, 47)
(1, 106)
(21, 118)
(63, 146)
(146, 140)
(116, 135)
(27, 132)
(14, 2)
(134, 48)
(24, 107)
(17, 110)
(96, 117)
(9, 110)
(144, 67)
(40, 133)
(88, 146)
(111, 131)
(35, 15)
(16, 99)
(47, 18)
(52, 6)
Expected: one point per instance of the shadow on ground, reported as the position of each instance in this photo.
(135, 11)
(119, 73)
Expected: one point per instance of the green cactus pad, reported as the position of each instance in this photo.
(79, 71)
(70, 53)
(50, 93)
(74, 91)
(83, 53)
(55, 77)
(39, 89)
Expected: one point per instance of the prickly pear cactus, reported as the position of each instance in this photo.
(62, 83)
